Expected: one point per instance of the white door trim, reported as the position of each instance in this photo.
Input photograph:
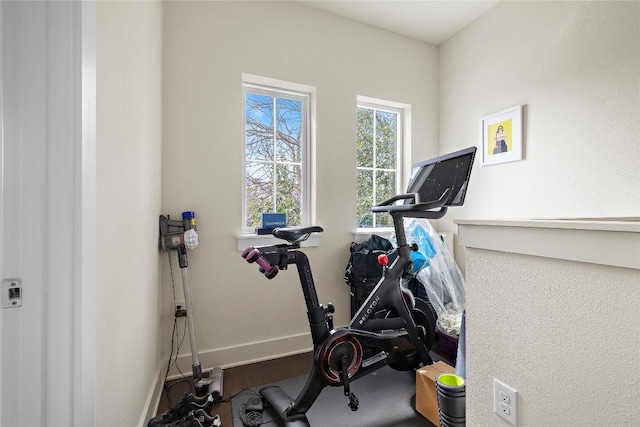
(47, 206)
(23, 178)
(84, 304)
(1, 186)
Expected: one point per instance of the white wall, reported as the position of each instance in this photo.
(574, 66)
(565, 334)
(240, 315)
(575, 362)
(129, 114)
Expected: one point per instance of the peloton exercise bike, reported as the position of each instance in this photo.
(392, 327)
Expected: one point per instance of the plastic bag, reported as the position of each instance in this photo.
(439, 275)
(191, 239)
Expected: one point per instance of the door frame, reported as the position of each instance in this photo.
(50, 192)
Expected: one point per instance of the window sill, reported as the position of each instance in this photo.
(246, 240)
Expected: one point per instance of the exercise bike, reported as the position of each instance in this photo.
(392, 327)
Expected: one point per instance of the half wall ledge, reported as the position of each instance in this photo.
(605, 241)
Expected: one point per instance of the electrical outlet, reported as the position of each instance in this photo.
(505, 402)
(180, 309)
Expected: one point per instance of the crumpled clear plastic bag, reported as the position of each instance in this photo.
(439, 275)
(191, 239)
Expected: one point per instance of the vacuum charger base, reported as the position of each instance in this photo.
(212, 384)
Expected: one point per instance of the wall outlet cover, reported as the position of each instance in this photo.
(505, 401)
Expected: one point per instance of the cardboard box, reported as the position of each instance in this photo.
(426, 395)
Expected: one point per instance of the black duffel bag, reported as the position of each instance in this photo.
(363, 268)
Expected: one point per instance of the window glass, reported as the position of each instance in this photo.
(378, 157)
(275, 147)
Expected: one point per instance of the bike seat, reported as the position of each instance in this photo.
(296, 234)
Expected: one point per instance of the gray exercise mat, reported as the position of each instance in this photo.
(386, 400)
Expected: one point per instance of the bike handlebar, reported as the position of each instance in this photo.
(295, 235)
(417, 209)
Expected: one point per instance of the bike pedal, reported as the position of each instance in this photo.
(353, 402)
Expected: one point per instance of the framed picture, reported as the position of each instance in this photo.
(502, 136)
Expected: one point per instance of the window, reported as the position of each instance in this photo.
(276, 154)
(378, 161)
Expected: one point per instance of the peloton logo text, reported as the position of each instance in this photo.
(370, 310)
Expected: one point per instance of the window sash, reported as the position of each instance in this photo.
(280, 93)
(374, 169)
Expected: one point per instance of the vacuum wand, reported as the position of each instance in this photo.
(180, 236)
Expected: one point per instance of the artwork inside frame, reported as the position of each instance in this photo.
(502, 136)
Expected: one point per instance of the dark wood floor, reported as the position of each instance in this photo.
(254, 375)
(237, 379)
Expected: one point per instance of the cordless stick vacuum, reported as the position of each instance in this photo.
(180, 236)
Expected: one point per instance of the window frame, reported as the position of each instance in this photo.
(402, 147)
(282, 89)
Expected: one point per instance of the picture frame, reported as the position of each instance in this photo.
(502, 136)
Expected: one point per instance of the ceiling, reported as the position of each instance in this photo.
(432, 21)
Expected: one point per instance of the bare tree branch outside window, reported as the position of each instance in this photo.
(274, 139)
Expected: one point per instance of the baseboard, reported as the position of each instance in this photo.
(244, 354)
(153, 397)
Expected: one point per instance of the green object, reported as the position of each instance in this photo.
(451, 380)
